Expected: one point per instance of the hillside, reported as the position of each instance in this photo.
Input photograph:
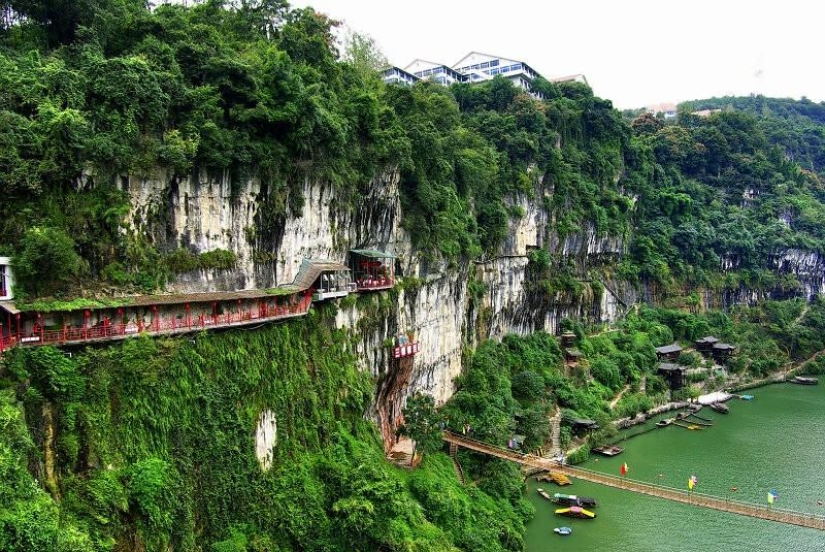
(149, 156)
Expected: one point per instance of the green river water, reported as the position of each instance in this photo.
(776, 441)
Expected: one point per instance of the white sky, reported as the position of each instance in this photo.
(634, 52)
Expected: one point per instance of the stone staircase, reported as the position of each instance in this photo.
(456, 466)
(555, 436)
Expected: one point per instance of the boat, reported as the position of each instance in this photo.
(693, 426)
(575, 512)
(544, 493)
(722, 408)
(664, 423)
(563, 531)
(802, 380)
(573, 500)
(746, 397)
(608, 450)
(555, 477)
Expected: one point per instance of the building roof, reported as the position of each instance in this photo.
(429, 65)
(662, 107)
(460, 63)
(373, 254)
(311, 269)
(670, 367)
(708, 339)
(586, 423)
(672, 348)
(150, 300)
(724, 347)
(308, 273)
(574, 353)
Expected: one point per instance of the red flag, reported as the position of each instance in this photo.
(624, 468)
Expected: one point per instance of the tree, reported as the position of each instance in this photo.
(364, 55)
(422, 424)
(47, 263)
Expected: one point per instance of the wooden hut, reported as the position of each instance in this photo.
(705, 344)
(572, 357)
(674, 374)
(722, 352)
(669, 352)
(568, 339)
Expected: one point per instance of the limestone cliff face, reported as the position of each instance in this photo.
(433, 303)
(443, 306)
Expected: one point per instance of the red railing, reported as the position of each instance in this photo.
(375, 283)
(405, 350)
(117, 329)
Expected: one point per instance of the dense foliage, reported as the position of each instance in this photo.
(154, 449)
(796, 126)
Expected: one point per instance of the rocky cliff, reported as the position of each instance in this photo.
(433, 300)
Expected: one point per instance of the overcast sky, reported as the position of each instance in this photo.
(634, 52)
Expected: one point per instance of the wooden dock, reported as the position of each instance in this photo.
(668, 493)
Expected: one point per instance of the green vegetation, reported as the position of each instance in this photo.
(154, 448)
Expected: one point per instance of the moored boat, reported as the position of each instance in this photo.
(573, 500)
(802, 380)
(575, 512)
(608, 450)
(722, 408)
(664, 423)
(554, 477)
(563, 531)
(746, 397)
(544, 493)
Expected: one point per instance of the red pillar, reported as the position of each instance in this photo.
(155, 320)
(215, 312)
(188, 316)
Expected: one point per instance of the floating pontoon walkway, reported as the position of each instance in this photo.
(676, 495)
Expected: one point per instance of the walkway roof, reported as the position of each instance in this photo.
(373, 254)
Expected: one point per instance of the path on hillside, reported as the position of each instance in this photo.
(618, 396)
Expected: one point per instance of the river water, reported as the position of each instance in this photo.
(775, 442)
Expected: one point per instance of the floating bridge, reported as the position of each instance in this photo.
(668, 493)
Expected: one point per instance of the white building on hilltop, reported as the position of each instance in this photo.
(5, 279)
(475, 67)
(438, 72)
(478, 67)
(668, 110)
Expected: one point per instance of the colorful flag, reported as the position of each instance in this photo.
(772, 496)
(624, 468)
(692, 482)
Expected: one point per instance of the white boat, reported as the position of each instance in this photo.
(563, 531)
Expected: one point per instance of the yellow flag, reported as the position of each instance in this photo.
(690, 484)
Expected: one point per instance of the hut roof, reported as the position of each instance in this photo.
(670, 367)
(724, 347)
(373, 254)
(672, 348)
(708, 339)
